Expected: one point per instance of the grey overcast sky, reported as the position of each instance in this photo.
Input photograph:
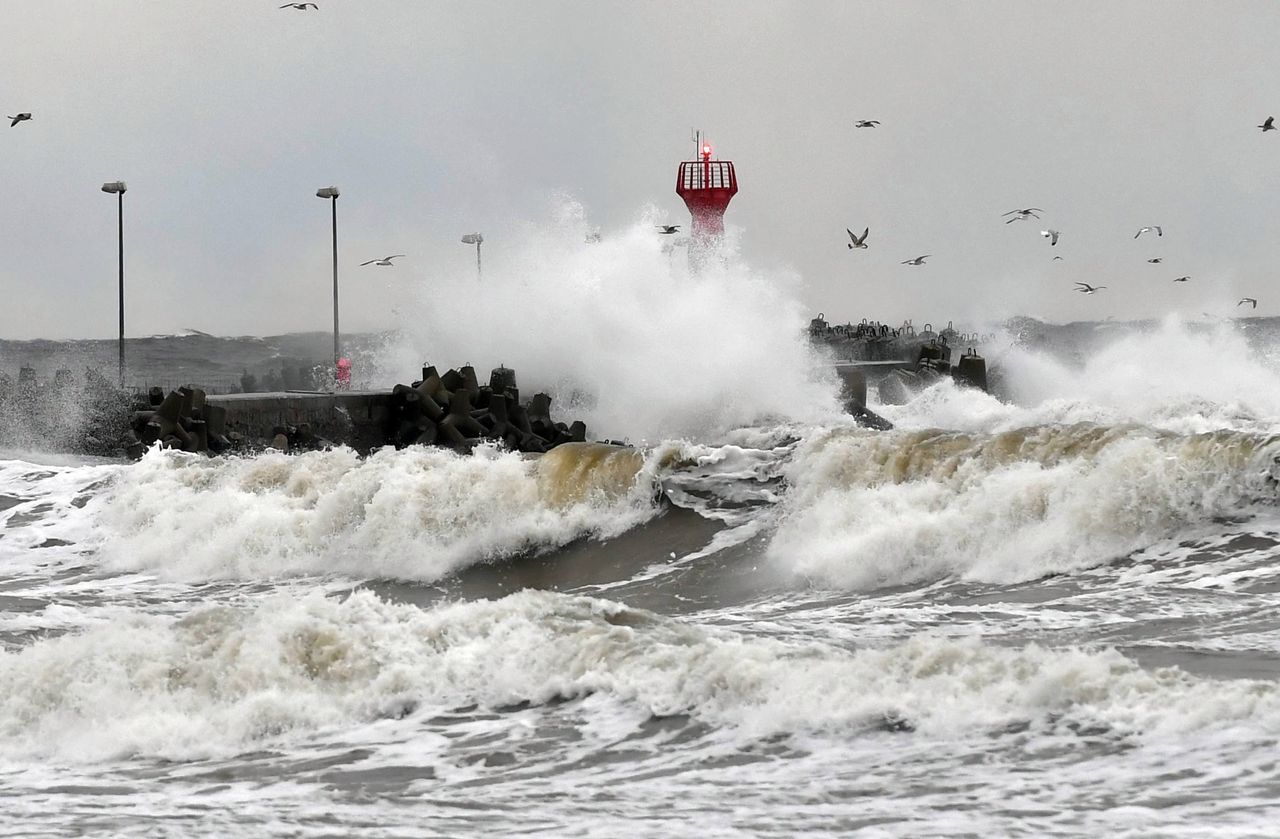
(437, 118)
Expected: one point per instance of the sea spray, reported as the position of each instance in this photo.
(622, 327)
(1173, 375)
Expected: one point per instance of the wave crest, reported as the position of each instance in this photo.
(223, 679)
(869, 510)
(420, 513)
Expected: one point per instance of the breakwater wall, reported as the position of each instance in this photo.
(451, 409)
(307, 419)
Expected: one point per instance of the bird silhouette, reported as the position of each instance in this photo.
(919, 260)
(1023, 215)
(1156, 228)
(300, 6)
(866, 123)
(386, 260)
(23, 117)
(1051, 235)
(1267, 126)
(1253, 301)
(668, 229)
(1085, 288)
(1156, 261)
(858, 243)
(1181, 279)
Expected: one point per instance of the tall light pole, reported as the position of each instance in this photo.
(117, 188)
(331, 192)
(474, 239)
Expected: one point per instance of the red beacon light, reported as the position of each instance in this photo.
(707, 186)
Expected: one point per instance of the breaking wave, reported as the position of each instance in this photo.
(224, 679)
(417, 514)
(867, 510)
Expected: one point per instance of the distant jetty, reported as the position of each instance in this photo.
(900, 361)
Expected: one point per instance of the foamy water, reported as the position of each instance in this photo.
(1055, 615)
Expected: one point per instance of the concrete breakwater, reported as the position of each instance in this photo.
(447, 409)
(451, 409)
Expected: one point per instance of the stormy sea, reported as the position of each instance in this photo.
(1049, 611)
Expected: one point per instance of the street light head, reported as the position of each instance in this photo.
(114, 187)
(472, 239)
(327, 192)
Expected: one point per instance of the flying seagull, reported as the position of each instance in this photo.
(1051, 235)
(919, 260)
(23, 117)
(858, 243)
(1085, 288)
(1156, 228)
(300, 6)
(386, 260)
(668, 229)
(1156, 261)
(1252, 301)
(1055, 258)
(1181, 279)
(1267, 126)
(1023, 215)
(866, 123)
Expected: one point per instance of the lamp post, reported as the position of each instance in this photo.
(331, 192)
(117, 188)
(474, 239)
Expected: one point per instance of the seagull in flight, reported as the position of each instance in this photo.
(858, 243)
(1085, 288)
(1253, 301)
(302, 6)
(386, 260)
(1055, 259)
(1268, 126)
(23, 117)
(919, 260)
(1181, 279)
(1156, 261)
(1155, 227)
(866, 123)
(668, 229)
(1023, 215)
(1051, 235)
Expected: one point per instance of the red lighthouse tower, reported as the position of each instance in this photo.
(706, 186)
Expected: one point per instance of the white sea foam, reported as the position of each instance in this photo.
(868, 510)
(223, 679)
(419, 514)
(45, 507)
(662, 351)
